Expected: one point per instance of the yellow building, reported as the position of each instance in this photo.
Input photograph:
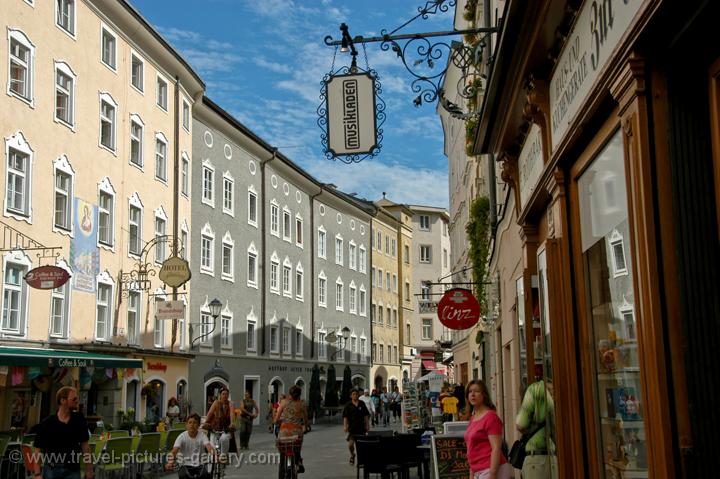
(97, 142)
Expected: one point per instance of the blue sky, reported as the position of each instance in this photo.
(263, 61)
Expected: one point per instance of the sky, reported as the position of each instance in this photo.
(263, 61)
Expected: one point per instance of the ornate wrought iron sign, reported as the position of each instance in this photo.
(350, 104)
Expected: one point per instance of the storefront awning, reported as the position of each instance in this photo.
(430, 365)
(59, 358)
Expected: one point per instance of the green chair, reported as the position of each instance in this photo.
(147, 451)
(28, 439)
(172, 435)
(119, 433)
(179, 425)
(115, 451)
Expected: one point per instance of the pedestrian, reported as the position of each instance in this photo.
(368, 402)
(189, 444)
(220, 420)
(270, 415)
(294, 422)
(248, 412)
(377, 404)
(397, 405)
(63, 437)
(356, 421)
(385, 399)
(531, 417)
(173, 411)
(449, 407)
(484, 436)
(277, 420)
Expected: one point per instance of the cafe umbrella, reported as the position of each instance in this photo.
(331, 398)
(346, 385)
(315, 397)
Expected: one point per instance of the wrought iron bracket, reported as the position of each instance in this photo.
(420, 55)
(15, 240)
(139, 279)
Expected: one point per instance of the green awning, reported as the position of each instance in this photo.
(58, 358)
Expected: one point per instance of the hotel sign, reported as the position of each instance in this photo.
(351, 114)
(598, 30)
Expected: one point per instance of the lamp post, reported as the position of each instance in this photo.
(343, 343)
(215, 307)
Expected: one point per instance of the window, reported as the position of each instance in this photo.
(65, 15)
(186, 115)
(395, 351)
(225, 331)
(322, 242)
(425, 254)
(362, 307)
(133, 317)
(372, 276)
(21, 66)
(378, 241)
(228, 194)
(103, 316)
(407, 333)
(388, 318)
(162, 93)
(137, 72)
(14, 298)
(207, 240)
(406, 253)
(185, 175)
(228, 262)
(106, 209)
(63, 196)
(136, 141)
(135, 230)
(393, 248)
(322, 345)
(274, 346)
(425, 289)
(298, 231)
(322, 290)
(252, 207)
(274, 219)
(339, 295)
(387, 245)
(617, 254)
(388, 284)
(425, 222)
(205, 322)
(64, 94)
(353, 345)
(352, 255)
(286, 275)
(107, 122)
(394, 318)
(363, 347)
(286, 341)
(252, 266)
(394, 288)
(426, 328)
(287, 225)
(407, 291)
(298, 342)
(374, 352)
(159, 327)
(380, 354)
(338, 250)
(251, 335)
(184, 243)
(299, 290)
(362, 259)
(445, 258)
(274, 267)
(380, 278)
(208, 184)
(160, 232)
(109, 45)
(160, 157)
(353, 299)
(445, 228)
(19, 179)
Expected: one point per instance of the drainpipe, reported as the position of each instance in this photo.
(176, 195)
(261, 267)
(312, 271)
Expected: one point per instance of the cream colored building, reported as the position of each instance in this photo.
(96, 123)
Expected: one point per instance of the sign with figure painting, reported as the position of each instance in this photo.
(84, 254)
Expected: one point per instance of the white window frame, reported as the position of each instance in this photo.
(614, 241)
(104, 279)
(363, 348)
(378, 241)
(322, 290)
(362, 259)
(252, 253)
(287, 278)
(29, 66)
(62, 165)
(252, 211)
(339, 253)
(185, 174)
(135, 120)
(108, 99)
(158, 324)
(19, 259)
(141, 86)
(182, 322)
(372, 277)
(161, 157)
(184, 241)
(112, 63)
(161, 219)
(64, 69)
(227, 242)
(424, 222)
(379, 283)
(362, 301)
(137, 311)
(322, 242)
(251, 319)
(286, 340)
(71, 26)
(299, 235)
(426, 259)
(394, 283)
(393, 247)
(274, 331)
(226, 316)
(339, 295)
(299, 282)
(298, 340)
(62, 294)
(186, 115)
(286, 224)
(208, 183)
(207, 259)
(134, 202)
(274, 218)
(352, 255)
(160, 100)
(228, 180)
(429, 323)
(322, 344)
(352, 298)
(274, 273)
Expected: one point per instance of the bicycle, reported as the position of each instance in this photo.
(219, 462)
(288, 447)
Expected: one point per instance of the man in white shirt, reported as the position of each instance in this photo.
(368, 402)
(190, 444)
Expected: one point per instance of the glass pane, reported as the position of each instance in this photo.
(610, 299)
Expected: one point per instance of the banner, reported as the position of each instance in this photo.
(84, 254)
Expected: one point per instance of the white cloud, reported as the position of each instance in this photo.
(272, 66)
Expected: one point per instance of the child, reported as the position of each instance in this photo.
(190, 445)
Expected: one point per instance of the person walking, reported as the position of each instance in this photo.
(221, 419)
(294, 422)
(356, 421)
(63, 437)
(484, 435)
(189, 444)
(368, 402)
(248, 412)
(385, 399)
(377, 404)
(531, 417)
(173, 412)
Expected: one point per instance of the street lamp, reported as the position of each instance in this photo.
(215, 307)
(343, 343)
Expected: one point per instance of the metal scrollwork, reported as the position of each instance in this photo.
(140, 279)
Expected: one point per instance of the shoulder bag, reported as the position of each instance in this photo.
(516, 456)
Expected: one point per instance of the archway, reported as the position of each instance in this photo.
(212, 391)
(154, 393)
(275, 389)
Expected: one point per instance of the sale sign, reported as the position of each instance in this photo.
(458, 309)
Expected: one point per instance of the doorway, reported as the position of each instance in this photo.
(252, 386)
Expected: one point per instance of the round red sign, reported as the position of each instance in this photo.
(47, 277)
(458, 309)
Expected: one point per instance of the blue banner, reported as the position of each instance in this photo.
(84, 253)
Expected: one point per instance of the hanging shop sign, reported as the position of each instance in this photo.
(47, 277)
(530, 164)
(458, 309)
(175, 272)
(169, 310)
(351, 126)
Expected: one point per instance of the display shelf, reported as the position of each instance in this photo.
(624, 423)
(631, 371)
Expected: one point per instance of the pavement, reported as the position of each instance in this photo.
(325, 454)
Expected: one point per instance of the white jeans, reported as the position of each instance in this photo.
(504, 472)
(224, 441)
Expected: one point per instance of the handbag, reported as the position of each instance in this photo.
(516, 456)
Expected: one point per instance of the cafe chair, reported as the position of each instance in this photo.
(375, 458)
(116, 451)
(410, 455)
(146, 452)
(179, 425)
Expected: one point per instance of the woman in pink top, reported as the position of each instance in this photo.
(484, 436)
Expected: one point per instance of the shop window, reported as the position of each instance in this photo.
(154, 393)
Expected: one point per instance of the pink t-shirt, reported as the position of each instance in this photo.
(478, 444)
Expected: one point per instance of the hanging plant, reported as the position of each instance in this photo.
(146, 390)
(477, 230)
(470, 127)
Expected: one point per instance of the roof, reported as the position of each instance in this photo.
(41, 357)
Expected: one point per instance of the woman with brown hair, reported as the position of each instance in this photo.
(484, 435)
(293, 414)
